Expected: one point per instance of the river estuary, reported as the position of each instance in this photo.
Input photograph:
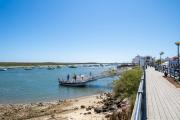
(36, 85)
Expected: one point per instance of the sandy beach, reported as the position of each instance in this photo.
(72, 109)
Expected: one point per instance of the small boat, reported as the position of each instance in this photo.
(101, 65)
(3, 69)
(10, 68)
(72, 66)
(50, 68)
(59, 66)
(28, 68)
(40, 67)
(73, 84)
(95, 65)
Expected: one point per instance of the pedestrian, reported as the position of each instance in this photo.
(75, 77)
(68, 77)
(82, 77)
(165, 73)
(90, 74)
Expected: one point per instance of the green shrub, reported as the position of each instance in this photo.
(127, 85)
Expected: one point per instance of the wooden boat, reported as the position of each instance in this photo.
(71, 83)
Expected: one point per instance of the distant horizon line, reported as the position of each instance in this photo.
(61, 62)
(8, 64)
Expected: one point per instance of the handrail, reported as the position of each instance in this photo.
(139, 111)
(139, 102)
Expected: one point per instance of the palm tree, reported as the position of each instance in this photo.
(161, 53)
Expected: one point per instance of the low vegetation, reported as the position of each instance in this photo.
(127, 86)
(112, 72)
(128, 83)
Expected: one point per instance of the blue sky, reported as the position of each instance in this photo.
(87, 30)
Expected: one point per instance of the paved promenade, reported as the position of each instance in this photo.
(163, 98)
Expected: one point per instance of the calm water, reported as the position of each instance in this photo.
(25, 86)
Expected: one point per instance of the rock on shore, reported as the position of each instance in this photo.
(96, 107)
(114, 108)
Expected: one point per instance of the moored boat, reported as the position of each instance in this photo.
(72, 66)
(10, 68)
(72, 83)
(50, 68)
(3, 69)
(59, 66)
(28, 68)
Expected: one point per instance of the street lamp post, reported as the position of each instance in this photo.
(161, 53)
(178, 43)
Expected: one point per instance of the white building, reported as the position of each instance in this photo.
(167, 59)
(140, 60)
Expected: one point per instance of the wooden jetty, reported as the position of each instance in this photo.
(81, 82)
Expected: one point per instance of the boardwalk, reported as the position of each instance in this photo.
(163, 98)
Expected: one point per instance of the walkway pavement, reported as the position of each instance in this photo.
(163, 98)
